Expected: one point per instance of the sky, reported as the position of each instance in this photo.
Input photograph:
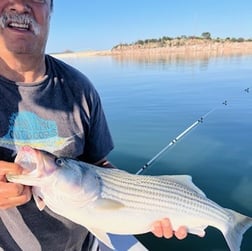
(81, 25)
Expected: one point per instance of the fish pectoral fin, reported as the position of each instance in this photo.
(102, 236)
(200, 230)
(107, 204)
(39, 202)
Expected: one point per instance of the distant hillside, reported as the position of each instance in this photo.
(184, 43)
(167, 46)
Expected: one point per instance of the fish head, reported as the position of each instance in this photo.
(78, 178)
(36, 164)
(62, 178)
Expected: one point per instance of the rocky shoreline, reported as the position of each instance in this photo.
(189, 49)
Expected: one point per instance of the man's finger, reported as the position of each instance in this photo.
(17, 200)
(167, 228)
(10, 189)
(181, 233)
(163, 228)
(9, 168)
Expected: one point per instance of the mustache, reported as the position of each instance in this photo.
(23, 19)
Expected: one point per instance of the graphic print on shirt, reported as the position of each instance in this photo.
(27, 128)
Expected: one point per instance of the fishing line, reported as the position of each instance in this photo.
(181, 135)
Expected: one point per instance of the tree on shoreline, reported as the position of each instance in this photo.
(206, 35)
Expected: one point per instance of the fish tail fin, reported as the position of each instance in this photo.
(234, 235)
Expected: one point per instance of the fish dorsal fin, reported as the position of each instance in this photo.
(107, 204)
(184, 180)
(102, 236)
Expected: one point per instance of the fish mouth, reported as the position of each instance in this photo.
(27, 158)
(37, 165)
(35, 162)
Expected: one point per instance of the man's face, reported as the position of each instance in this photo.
(24, 25)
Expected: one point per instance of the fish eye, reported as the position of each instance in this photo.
(59, 161)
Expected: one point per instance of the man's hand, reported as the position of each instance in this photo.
(11, 194)
(163, 228)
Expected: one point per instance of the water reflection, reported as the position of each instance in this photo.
(171, 58)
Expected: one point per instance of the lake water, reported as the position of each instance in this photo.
(148, 102)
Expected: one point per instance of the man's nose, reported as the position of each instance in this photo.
(20, 6)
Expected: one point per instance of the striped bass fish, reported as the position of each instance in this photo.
(113, 201)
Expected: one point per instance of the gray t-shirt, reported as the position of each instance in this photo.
(61, 114)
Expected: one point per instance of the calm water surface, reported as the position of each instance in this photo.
(150, 102)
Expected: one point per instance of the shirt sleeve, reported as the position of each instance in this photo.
(98, 141)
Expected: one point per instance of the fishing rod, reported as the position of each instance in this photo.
(181, 135)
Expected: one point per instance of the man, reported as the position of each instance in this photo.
(46, 104)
